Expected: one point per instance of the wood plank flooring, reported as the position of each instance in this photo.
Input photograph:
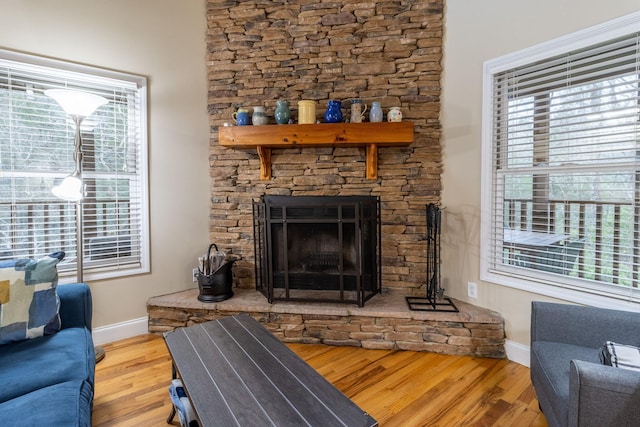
(398, 388)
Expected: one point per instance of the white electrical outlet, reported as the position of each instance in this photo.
(472, 290)
(195, 274)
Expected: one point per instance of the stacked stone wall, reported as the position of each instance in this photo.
(386, 51)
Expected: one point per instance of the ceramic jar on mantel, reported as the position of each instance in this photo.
(358, 108)
(282, 113)
(394, 115)
(259, 116)
(334, 112)
(375, 113)
(306, 112)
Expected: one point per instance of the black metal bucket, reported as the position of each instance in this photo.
(216, 286)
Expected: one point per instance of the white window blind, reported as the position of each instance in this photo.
(562, 177)
(36, 153)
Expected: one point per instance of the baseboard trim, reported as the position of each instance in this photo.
(119, 331)
(518, 353)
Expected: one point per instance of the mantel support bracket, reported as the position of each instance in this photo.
(372, 161)
(265, 163)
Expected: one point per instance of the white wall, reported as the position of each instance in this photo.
(476, 31)
(165, 41)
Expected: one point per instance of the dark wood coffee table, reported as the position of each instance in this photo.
(236, 373)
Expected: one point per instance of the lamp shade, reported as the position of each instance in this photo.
(69, 189)
(75, 102)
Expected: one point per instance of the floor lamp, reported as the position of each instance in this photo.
(78, 105)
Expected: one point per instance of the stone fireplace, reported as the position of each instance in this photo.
(317, 248)
(386, 51)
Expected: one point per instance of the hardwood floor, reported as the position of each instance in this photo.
(398, 388)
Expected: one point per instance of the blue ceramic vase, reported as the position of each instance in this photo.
(333, 113)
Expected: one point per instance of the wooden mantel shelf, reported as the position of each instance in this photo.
(369, 135)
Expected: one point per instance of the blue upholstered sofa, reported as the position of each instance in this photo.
(49, 380)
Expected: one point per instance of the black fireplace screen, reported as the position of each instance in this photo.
(324, 248)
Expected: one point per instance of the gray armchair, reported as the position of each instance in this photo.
(572, 386)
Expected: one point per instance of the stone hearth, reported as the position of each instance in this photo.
(384, 323)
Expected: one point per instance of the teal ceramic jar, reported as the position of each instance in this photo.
(282, 113)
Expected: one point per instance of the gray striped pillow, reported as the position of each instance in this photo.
(620, 356)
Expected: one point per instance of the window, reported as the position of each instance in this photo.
(36, 153)
(561, 176)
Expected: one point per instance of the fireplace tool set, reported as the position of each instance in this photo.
(215, 277)
(435, 299)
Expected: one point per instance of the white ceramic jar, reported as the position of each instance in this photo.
(358, 108)
(375, 113)
(394, 115)
(259, 116)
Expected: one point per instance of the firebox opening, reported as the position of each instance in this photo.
(316, 248)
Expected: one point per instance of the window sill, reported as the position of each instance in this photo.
(576, 296)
